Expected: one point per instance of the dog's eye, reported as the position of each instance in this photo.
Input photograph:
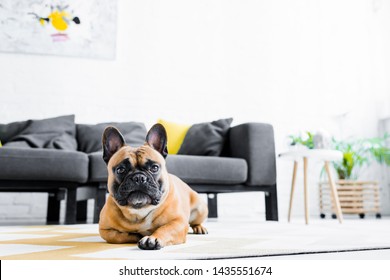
(120, 170)
(154, 168)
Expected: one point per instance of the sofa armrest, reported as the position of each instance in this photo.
(255, 143)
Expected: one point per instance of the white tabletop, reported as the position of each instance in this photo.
(321, 154)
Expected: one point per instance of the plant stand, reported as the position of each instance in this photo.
(356, 197)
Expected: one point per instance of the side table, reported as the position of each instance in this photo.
(324, 155)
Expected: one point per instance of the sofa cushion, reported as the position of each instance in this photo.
(89, 137)
(52, 133)
(97, 167)
(43, 165)
(176, 133)
(191, 169)
(206, 139)
(208, 170)
(201, 139)
(10, 130)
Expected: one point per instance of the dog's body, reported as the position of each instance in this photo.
(146, 204)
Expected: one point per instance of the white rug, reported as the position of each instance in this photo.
(226, 239)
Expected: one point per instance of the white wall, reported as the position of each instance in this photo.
(295, 64)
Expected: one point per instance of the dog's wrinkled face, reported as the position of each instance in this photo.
(136, 177)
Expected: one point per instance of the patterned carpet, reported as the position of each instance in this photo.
(225, 240)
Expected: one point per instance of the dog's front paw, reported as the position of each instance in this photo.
(199, 229)
(149, 243)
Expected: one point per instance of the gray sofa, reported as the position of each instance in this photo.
(247, 164)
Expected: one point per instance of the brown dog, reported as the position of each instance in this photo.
(146, 204)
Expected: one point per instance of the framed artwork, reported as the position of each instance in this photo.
(84, 28)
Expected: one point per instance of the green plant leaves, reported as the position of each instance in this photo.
(306, 140)
(359, 153)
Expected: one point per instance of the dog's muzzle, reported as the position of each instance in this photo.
(138, 190)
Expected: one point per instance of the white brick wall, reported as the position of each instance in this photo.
(6, 199)
(22, 206)
(29, 208)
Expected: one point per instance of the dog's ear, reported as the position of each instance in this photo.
(112, 141)
(157, 139)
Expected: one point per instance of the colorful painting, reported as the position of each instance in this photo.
(84, 28)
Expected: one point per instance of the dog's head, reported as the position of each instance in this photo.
(137, 177)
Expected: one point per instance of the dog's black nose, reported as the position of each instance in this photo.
(140, 179)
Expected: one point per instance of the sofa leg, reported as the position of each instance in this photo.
(100, 200)
(82, 210)
(271, 205)
(212, 204)
(53, 206)
(71, 206)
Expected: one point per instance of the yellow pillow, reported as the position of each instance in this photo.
(175, 133)
(0, 144)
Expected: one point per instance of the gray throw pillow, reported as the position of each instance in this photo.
(205, 139)
(10, 130)
(52, 133)
(89, 137)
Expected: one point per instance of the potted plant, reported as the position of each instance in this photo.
(358, 197)
(360, 153)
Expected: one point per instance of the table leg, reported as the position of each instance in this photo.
(292, 188)
(305, 163)
(334, 193)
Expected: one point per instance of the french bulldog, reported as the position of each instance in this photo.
(146, 204)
